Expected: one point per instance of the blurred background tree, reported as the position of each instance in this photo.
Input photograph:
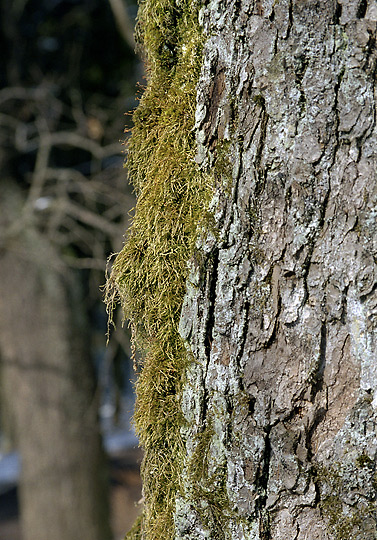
(67, 76)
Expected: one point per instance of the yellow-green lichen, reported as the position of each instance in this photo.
(222, 167)
(343, 521)
(207, 480)
(148, 276)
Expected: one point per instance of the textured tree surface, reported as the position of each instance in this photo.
(280, 312)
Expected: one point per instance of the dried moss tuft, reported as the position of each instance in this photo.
(148, 276)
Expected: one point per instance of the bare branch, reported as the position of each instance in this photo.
(85, 262)
(123, 22)
(15, 92)
(90, 218)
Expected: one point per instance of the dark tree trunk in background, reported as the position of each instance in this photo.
(281, 401)
(49, 388)
(62, 196)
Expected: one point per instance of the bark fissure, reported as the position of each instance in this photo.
(362, 9)
(246, 311)
(337, 13)
(290, 19)
(318, 375)
(211, 302)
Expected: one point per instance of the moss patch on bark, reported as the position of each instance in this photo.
(337, 482)
(149, 274)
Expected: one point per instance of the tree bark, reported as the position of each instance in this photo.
(280, 311)
(49, 387)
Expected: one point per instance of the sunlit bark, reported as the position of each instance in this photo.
(280, 310)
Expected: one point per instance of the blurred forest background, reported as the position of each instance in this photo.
(68, 75)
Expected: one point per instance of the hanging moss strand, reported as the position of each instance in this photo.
(148, 276)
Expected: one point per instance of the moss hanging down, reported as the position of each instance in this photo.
(148, 275)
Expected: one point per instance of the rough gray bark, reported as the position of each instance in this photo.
(281, 305)
(49, 388)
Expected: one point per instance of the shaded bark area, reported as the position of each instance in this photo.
(49, 388)
(281, 305)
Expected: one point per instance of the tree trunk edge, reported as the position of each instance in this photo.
(298, 458)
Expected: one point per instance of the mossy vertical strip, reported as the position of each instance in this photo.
(148, 276)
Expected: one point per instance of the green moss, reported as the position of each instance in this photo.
(343, 521)
(222, 167)
(365, 461)
(208, 490)
(259, 100)
(148, 276)
(136, 531)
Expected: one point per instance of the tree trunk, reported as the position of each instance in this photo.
(280, 313)
(49, 387)
(266, 430)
